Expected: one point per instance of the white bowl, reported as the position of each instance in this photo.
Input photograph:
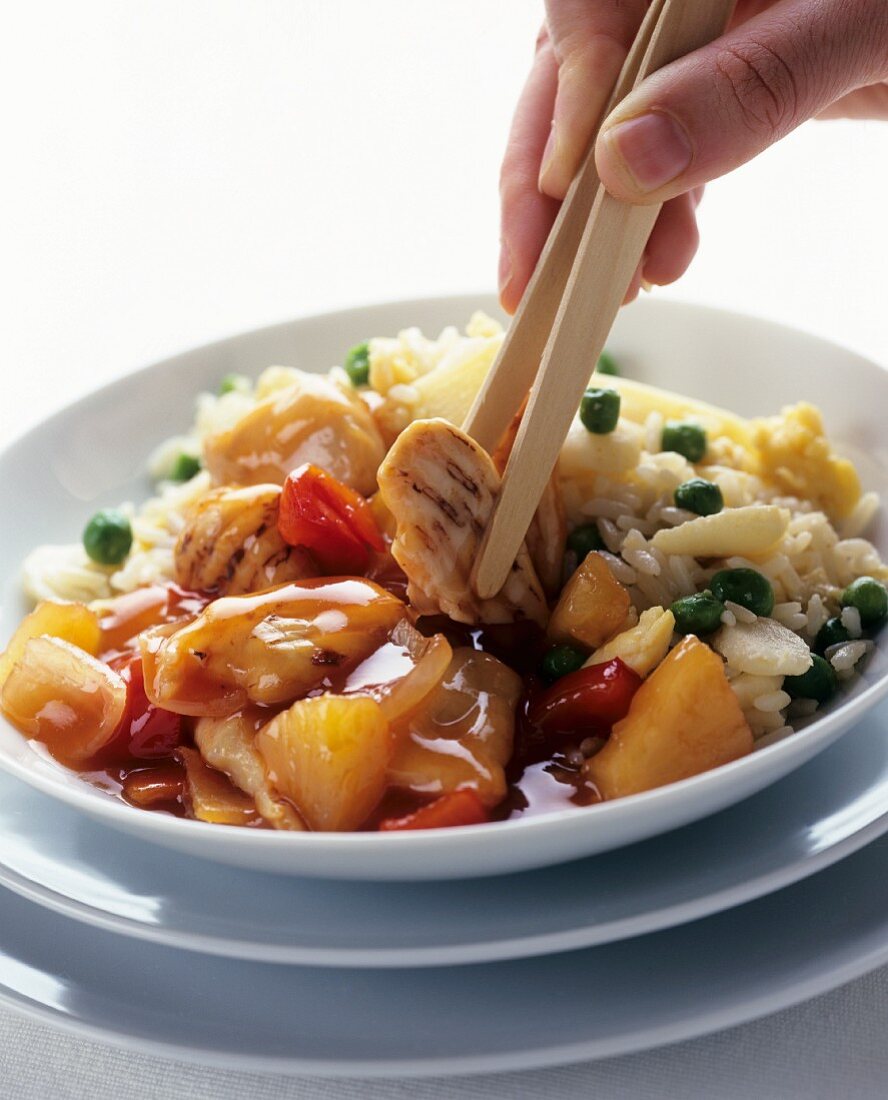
(94, 453)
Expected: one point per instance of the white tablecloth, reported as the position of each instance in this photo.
(181, 170)
(831, 1047)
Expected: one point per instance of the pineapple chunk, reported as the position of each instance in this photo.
(410, 355)
(72, 622)
(213, 796)
(748, 531)
(643, 646)
(592, 607)
(450, 390)
(329, 756)
(62, 696)
(684, 719)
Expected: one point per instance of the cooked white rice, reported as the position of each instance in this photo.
(623, 482)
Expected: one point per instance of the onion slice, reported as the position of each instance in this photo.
(64, 697)
(431, 657)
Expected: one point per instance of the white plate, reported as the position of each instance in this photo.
(596, 1003)
(94, 453)
(828, 809)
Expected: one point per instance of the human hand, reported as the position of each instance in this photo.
(780, 63)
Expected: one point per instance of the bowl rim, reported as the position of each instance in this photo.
(78, 792)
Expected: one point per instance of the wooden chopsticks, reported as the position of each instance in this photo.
(570, 305)
(518, 361)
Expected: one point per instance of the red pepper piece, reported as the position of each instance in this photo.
(329, 519)
(146, 732)
(446, 812)
(586, 702)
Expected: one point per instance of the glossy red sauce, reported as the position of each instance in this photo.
(155, 605)
(141, 765)
(157, 780)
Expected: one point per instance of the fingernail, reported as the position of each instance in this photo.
(548, 158)
(652, 149)
(646, 285)
(505, 267)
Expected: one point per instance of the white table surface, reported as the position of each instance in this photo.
(185, 169)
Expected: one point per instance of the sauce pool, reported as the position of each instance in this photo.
(158, 782)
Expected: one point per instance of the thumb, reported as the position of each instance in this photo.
(717, 108)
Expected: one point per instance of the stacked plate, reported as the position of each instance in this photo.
(707, 903)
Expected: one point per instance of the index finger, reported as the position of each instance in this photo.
(590, 41)
(526, 215)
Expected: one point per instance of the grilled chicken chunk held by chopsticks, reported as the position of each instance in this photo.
(441, 487)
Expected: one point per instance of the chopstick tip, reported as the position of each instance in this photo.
(485, 579)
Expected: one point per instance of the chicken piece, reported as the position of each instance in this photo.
(547, 533)
(270, 648)
(313, 420)
(441, 488)
(231, 544)
(227, 744)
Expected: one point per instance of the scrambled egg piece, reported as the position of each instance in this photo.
(796, 456)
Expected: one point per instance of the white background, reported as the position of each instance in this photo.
(179, 170)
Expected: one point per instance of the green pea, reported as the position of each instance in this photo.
(233, 383)
(584, 539)
(185, 467)
(698, 614)
(600, 410)
(819, 682)
(747, 587)
(607, 364)
(684, 438)
(699, 496)
(870, 598)
(832, 632)
(357, 364)
(561, 660)
(108, 537)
